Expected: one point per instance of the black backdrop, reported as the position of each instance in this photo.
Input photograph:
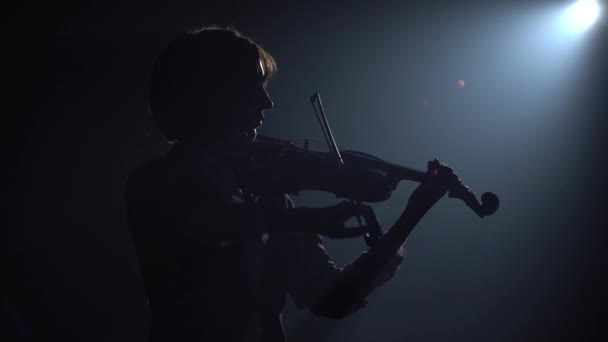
(78, 126)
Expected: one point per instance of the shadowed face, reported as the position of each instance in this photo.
(244, 100)
(209, 87)
(255, 101)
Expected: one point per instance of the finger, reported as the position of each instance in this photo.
(443, 168)
(452, 179)
(368, 213)
(372, 221)
(346, 210)
(435, 167)
(344, 206)
(362, 209)
(434, 163)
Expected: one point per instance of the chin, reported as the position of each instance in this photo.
(251, 135)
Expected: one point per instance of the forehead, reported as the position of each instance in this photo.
(240, 72)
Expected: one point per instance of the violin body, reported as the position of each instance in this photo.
(280, 167)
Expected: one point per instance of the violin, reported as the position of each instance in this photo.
(282, 167)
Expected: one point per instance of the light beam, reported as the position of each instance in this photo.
(581, 15)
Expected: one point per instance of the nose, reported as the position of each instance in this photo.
(266, 101)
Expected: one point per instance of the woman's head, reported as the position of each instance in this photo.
(209, 83)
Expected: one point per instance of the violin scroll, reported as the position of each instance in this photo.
(489, 204)
(489, 201)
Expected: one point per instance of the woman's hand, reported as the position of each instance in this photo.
(440, 179)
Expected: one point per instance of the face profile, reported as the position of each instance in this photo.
(250, 101)
(209, 86)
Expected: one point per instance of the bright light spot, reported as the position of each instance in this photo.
(582, 14)
(460, 83)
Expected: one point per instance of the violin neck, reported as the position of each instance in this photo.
(405, 173)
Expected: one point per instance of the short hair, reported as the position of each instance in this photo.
(195, 70)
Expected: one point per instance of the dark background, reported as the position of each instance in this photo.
(529, 125)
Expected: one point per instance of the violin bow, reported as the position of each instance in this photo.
(375, 229)
(317, 105)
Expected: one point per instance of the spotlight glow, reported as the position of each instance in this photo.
(582, 14)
